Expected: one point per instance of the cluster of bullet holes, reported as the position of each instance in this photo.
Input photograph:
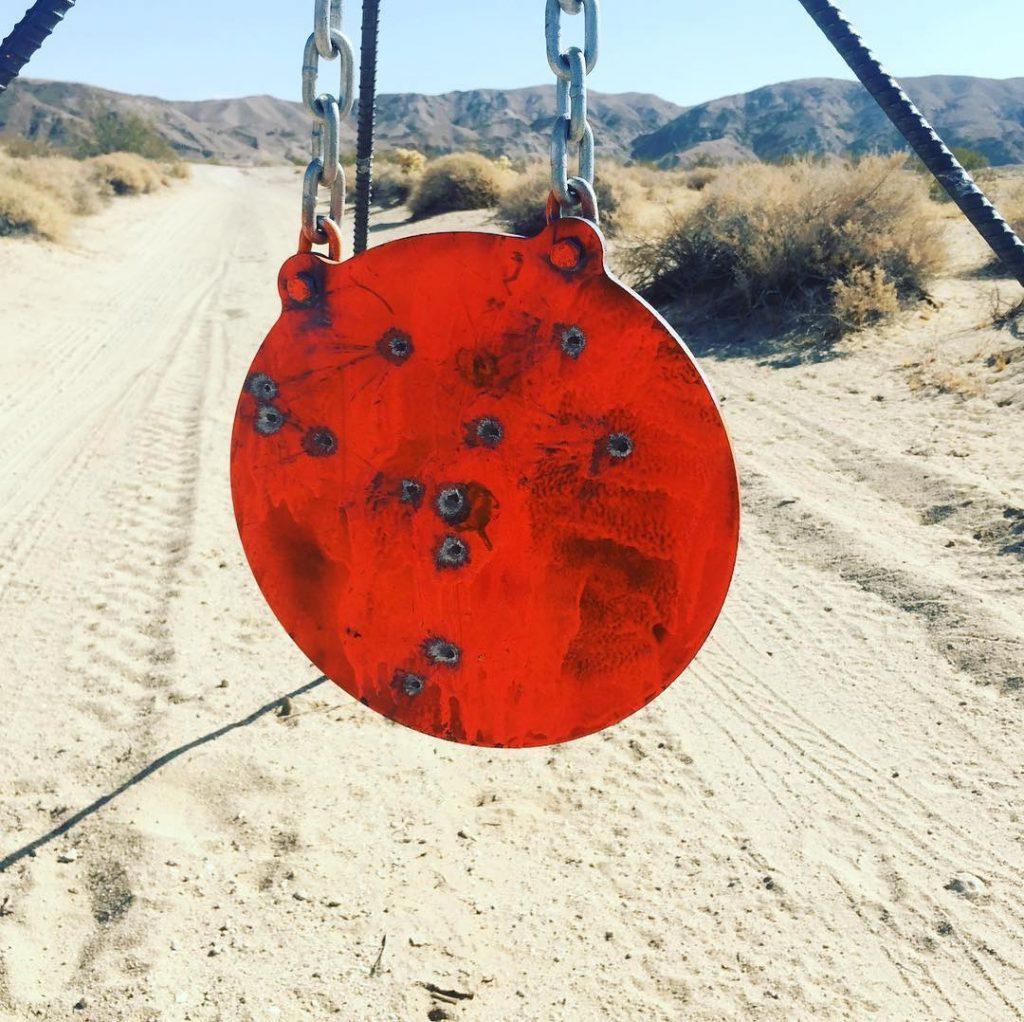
(452, 503)
(439, 652)
(269, 419)
(317, 442)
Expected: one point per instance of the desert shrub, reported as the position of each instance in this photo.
(21, 148)
(411, 161)
(620, 196)
(40, 194)
(646, 199)
(521, 209)
(840, 244)
(396, 174)
(114, 132)
(392, 185)
(699, 178)
(862, 297)
(125, 173)
(458, 181)
(26, 209)
(66, 182)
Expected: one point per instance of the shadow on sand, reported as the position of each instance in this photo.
(151, 768)
(769, 341)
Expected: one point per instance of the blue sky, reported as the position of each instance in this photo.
(684, 50)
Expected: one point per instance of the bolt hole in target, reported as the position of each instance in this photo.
(481, 483)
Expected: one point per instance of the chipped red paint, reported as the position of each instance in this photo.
(483, 485)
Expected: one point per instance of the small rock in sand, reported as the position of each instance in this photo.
(967, 886)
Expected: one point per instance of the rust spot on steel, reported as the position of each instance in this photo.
(301, 288)
(567, 254)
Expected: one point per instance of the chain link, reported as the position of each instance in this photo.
(325, 170)
(571, 131)
(553, 32)
(326, 19)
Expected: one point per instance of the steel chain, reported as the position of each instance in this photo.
(326, 19)
(325, 170)
(571, 130)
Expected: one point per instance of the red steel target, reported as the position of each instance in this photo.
(483, 485)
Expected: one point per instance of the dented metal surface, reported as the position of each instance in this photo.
(483, 485)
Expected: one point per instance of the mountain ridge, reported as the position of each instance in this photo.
(835, 116)
(813, 116)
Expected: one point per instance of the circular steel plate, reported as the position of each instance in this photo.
(483, 485)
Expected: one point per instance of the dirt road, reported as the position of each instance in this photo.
(821, 820)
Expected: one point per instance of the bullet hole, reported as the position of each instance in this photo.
(486, 431)
(452, 504)
(409, 683)
(441, 651)
(452, 553)
(410, 491)
(619, 445)
(269, 420)
(396, 346)
(573, 341)
(319, 442)
(261, 386)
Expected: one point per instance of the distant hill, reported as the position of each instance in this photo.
(828, 115)
(258, 129)
(817, 115)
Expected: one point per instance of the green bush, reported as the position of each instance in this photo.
(114, 132)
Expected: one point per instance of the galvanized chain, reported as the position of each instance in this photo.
(325, 169)
(571, 130)
(326, 19)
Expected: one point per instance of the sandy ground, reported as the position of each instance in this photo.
(821, 820)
